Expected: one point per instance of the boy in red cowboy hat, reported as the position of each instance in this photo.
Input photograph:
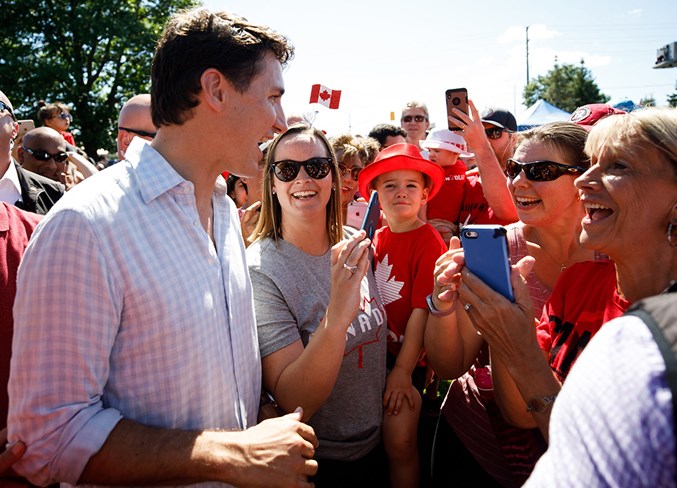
(405, 254)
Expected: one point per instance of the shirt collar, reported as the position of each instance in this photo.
(13, 187)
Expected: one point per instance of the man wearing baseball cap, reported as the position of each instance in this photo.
(444, 148)
(491, 136)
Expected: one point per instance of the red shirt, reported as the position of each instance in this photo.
(16, 228)
(404, 274)
(447, 203)
(583, 299)
(475, 205)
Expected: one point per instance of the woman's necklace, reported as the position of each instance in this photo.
(562, 266)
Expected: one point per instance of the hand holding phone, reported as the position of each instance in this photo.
(486, 256)
(456, 98)
(372, 216)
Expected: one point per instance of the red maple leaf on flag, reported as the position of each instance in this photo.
(325, 95)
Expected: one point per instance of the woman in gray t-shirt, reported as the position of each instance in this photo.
(320, 319)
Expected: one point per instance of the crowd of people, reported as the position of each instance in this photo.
(206, 311)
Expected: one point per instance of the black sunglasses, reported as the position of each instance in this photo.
(141, 133)
(417, 118)
(541, 170)
(4, 106)
(317, 168)
(65, 116)
(45, 156)
(354, 172)
(495, 132)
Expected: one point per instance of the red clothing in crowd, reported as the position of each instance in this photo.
(447, 203)
(475, 208)
(583, 299)
(16, 228)
(404, 269)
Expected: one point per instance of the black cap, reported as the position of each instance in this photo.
(499, 117)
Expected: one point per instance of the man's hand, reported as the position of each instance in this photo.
(278, 452)
(10, 456)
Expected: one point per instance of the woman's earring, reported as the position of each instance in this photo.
(672, 233)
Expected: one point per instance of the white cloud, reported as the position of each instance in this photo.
(636, 12)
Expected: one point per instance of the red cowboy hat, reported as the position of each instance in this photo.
(401, 156)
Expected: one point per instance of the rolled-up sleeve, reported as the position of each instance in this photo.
(66, 318)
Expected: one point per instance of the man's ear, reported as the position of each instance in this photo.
(15, 131)
(20, 155)
(215, 89)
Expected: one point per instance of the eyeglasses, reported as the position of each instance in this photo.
(354, 171)
(140, 133)
(417, 118)
(4, 106)
(495, 132)
(65, 116)
(45, 156)
(287, 170)
(541, 170)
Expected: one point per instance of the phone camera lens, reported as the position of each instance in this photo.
(456, 101)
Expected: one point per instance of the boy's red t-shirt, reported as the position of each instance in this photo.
(404, 265)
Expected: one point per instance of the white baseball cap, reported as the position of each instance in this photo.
(447, 140)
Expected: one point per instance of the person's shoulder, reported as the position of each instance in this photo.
(13, 218)
(40, 181)
(257, 249)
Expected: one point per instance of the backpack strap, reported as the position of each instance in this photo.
(659, 313)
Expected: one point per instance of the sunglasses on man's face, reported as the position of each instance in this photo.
(45, 156)
(354, 172)
(287, 170)
(4, 106)
(495, 132)
(416, 118)
(65, 116)
(138, 132)
(541, 170)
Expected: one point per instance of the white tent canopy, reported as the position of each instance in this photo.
(540, 113)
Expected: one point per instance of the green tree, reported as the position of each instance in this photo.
(648, 101)
(566, 86)
(672, 98)
(91, 55)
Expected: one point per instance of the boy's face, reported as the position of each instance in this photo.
(401, 194)
(442, 157)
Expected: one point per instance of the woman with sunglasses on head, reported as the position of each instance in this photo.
(58, 117)
(319, 315)
(540, 179)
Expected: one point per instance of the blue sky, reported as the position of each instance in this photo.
(382, 54)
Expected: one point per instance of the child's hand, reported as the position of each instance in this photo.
(398, 388)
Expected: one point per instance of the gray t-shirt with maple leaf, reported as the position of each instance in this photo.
(291, 294)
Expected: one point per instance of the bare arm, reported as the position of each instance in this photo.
(306, 376)
(519, 367)
(82, 164)
(398, 383)
(451, 342)
(493, 179)
(273, 453)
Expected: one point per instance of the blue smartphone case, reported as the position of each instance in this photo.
(372, 215)
(487, 256)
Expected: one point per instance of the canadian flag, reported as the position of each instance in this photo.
(325, 96)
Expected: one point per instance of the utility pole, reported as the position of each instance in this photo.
(527, 55)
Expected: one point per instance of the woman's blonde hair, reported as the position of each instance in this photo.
(633, 132)
(270, 220)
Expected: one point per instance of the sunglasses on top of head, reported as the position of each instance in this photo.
(541, 170)
(45, 156)
(287, 170)
(416, 118)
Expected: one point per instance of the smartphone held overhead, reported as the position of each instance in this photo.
(456, 98)
(487, 256)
